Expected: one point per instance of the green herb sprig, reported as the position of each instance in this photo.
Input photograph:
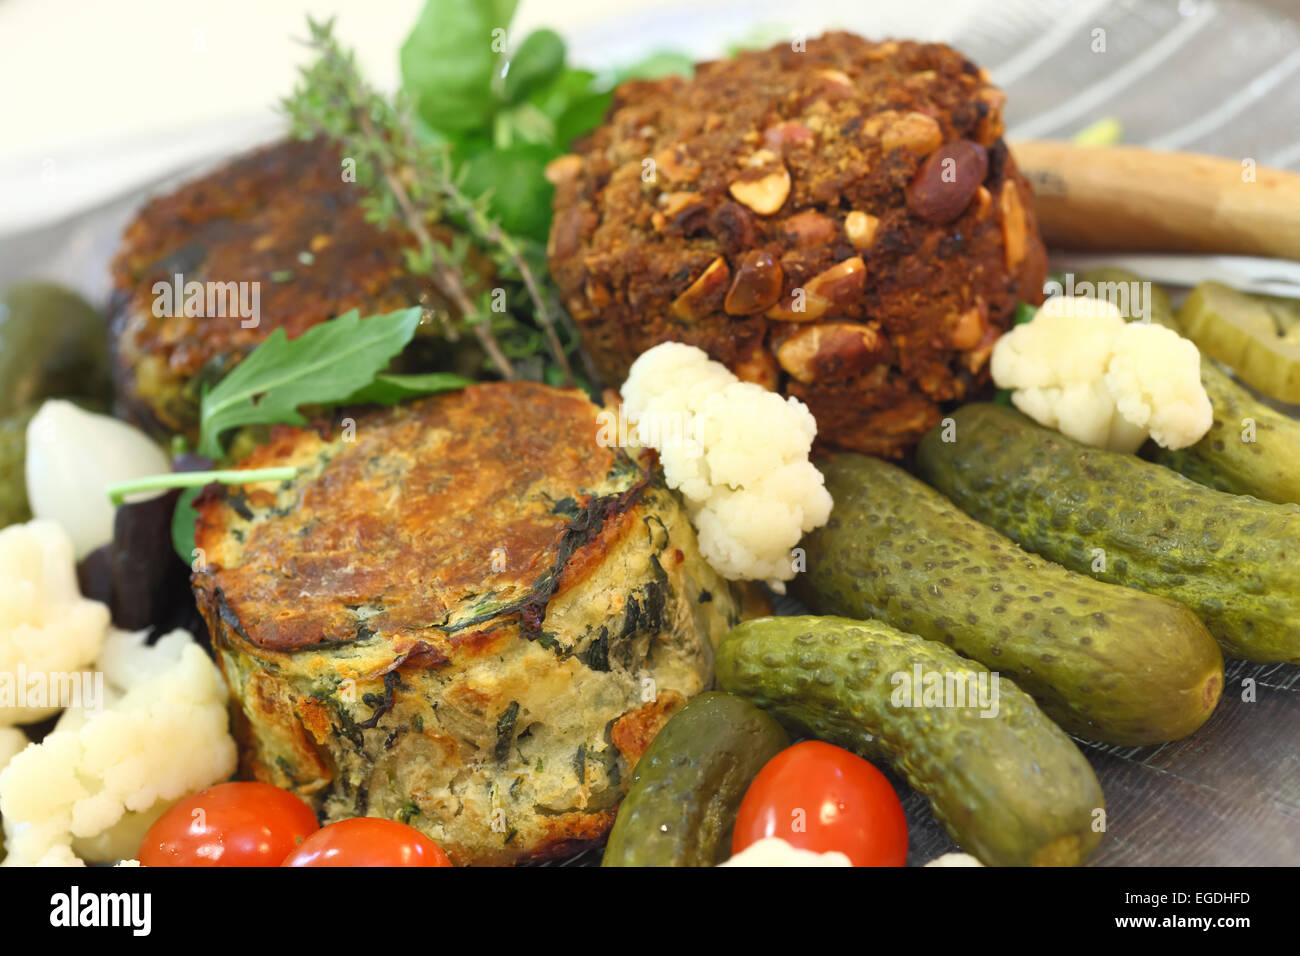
(411, 180)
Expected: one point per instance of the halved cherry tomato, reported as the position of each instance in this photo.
(231, 824)
(819, 797)
(368, 841)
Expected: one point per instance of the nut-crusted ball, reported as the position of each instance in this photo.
(842, 223)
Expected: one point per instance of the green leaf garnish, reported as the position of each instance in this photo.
(325, 365)
(539, 59)
(184, 518)
(451, 58)
(391, 389)
(117, 493)
(338, 362)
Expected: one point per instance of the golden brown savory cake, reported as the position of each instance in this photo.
(464, 613)
(843, 223)
(283, 217)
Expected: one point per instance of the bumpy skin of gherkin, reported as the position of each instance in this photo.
(1268, 466)
(1232, 559)
(1012, 788)
(1104, 662)
(687, 787)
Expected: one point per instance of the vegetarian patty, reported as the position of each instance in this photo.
(283, 217)
(842, 223)
(464, 613)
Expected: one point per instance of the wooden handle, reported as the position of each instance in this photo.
(1129, 198)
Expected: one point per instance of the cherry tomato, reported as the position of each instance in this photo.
(231, 824)
(368, 841)
(819, 797)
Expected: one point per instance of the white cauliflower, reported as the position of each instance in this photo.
(96, 782)
(773, 851)
(737, 453)
(1078, 367)
(12, 742)
(955, 859)
(48, 631)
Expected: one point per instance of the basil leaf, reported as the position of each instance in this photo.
(557, 96)
(516, 177)
(324, 365)
(657, 66)
(448, 61)
(391, 389)
(537, 61)
(582, 117)
(524, 123)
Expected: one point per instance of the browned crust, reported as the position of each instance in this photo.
(408, 521)
(621, 262)
(253, 220)
(633, 732)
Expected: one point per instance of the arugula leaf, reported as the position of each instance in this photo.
(448, 61)
(391, 389)
(183, 520)
(322, 366)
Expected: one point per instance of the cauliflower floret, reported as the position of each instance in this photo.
(672, 375)
(773, 851)
(1155, 376)
(12, 742)
(1078, 367)
(48, 630)
(100, 777)
(955, 859)
(60, 855)
(737, 453)
(1085, 411)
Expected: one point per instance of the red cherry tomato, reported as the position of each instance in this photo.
(819, 797)
(368, 841)
(231, 824)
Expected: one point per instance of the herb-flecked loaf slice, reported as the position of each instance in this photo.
(464, 613)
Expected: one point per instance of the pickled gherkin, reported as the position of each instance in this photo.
(1105, 662)
(687, 786)
(1008, 784)
(1231, 559)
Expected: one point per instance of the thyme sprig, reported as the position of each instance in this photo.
(410, 179)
